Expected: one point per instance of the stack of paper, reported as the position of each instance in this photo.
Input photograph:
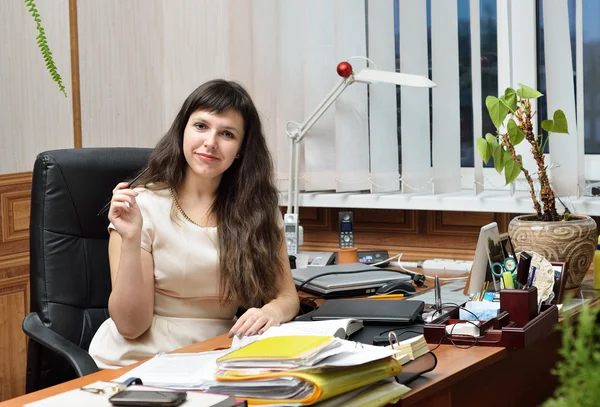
(279, 370)
(303, 387)
(274, 369)
(410, 349)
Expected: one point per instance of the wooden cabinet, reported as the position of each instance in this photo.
(15, 192)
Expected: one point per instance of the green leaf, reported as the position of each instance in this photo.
(511, 169)
(496, 109)
(498, 155)
(514, 132)
(558, 124)
(525, 92)
(547, 125)
(509, 99)
(493, 140)
(484, 149)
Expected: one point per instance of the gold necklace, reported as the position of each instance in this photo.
(180, 209)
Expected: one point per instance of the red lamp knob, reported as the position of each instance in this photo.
(344, 69)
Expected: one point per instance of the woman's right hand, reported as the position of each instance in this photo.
(124, 213)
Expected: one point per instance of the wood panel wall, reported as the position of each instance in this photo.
(15, 193)
(419, 235)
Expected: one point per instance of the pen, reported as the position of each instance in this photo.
(386, 296)
(107, 206)
(531, 276)
(438, 293)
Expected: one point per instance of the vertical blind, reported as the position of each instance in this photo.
(354, 146)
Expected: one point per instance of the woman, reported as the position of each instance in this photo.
(202, 237)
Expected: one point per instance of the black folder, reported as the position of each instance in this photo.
(371, 311)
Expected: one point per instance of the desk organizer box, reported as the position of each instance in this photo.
(517, 325)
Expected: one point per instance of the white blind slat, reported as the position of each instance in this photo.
(351, 122)
(319, 78)
(446, 96)
(476, 92)
(414, 102)
(564, 148)
(383, 123)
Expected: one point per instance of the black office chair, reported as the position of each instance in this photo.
(69, 270)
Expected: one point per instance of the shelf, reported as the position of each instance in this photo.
(465, 200)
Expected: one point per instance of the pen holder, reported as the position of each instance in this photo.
(521, 305)
(348, 255)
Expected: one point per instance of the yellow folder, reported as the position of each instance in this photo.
(297, 350)
(325, 383)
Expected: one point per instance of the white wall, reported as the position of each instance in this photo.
(34, 115)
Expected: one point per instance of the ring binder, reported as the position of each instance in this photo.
(393, 335)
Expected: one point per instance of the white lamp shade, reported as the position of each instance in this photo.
(373, 76)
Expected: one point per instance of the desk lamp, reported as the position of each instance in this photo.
(293, 231)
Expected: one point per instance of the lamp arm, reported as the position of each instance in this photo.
(322, 108)
(296, 135)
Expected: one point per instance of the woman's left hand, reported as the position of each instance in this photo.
(254, 322)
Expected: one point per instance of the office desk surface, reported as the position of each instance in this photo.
(453, 365)
(463, 377)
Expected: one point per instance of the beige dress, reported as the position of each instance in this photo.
(186, 281)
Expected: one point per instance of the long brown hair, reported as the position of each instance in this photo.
(246, 201)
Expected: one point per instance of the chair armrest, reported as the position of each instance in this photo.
(78, 358)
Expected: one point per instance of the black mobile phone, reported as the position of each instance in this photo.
(151, 398)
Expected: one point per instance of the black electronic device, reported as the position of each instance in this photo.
(370, 311)
(397, 287)
(372, 257)
(523, 268)
(346, 229)
(148, 398)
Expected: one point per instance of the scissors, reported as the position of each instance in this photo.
(509, 265)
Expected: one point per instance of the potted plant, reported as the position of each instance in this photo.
(578, 372)
(558, 237)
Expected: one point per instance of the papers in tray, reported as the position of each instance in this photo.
(339, 328)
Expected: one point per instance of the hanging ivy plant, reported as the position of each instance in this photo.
(42, 42)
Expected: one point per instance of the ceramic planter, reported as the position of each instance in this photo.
(572, 241)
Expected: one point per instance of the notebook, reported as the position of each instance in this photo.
(371, 311)
(347, 282)
(281, 352)
(340, 328)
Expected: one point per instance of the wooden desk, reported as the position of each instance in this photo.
(463, 377)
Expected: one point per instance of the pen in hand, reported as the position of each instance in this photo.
(106, 207)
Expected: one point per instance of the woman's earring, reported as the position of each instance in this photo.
(237, 156)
